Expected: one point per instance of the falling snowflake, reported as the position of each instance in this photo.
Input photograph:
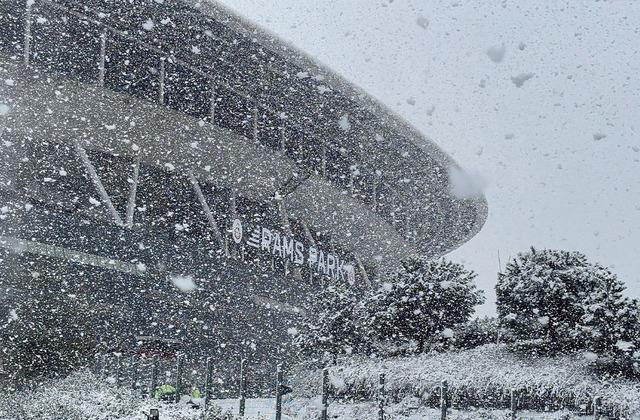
(496, 53)
(184, 283)
(148, 25)
(344, 123)
(521, 78)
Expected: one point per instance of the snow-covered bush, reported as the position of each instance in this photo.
(480, 377)
(541, 298)
(422, 303)
(83, 396)
(477, 332)
(556, 301)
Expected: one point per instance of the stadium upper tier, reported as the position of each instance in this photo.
(218, 98)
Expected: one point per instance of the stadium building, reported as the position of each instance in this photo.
(170, 157)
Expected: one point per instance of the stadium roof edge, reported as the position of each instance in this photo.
(273, 42)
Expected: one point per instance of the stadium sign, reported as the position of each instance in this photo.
(236, 231)
(278, 245)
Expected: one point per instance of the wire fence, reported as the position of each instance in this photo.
(172, 380)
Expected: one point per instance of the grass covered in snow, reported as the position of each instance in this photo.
(480, 377)
(82, 396)
(410, 409)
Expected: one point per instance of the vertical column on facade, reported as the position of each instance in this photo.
(406, 219)
(376, 181)
(207, 210)
(255, 122)
(232, 215)
(283, 139)
(131, 204)
(286, 227)
(103, 54)
(323, 162)
(161, 81)
(312, 241)
(352, 179)
(27, 32)
(212, 104)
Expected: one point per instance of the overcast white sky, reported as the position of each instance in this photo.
(552, 180)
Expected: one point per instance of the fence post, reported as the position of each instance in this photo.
(279, 381)
(381, 397)
(325, 394)
(154, 376)
(597, 403)
(102, 362)
(105, 366)
(179, 369)
(118, 369)
(514, 403)
(444, 390)
(243, 386)
(97, 369)
(208, 381)
(134, 373)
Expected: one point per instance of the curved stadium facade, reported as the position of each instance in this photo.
(151, 141)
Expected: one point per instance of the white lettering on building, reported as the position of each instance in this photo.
(280, 246)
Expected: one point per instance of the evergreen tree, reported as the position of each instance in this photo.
(330, 325)
(542, 295)
(424, 301)
(611, 323)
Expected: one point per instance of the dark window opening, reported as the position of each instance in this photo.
(187, 91)
(338, 166)
(132, 69)
(54, 174)
(233, 112)
(12, 22)
(269, 130)
(302, 149)
(65, 44)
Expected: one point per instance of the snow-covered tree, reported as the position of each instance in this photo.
(611, 323)
(542, 296)
(330, 326)
(423, 302)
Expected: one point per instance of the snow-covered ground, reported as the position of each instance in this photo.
(410, 409)
(82, 396)
(256, 408)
